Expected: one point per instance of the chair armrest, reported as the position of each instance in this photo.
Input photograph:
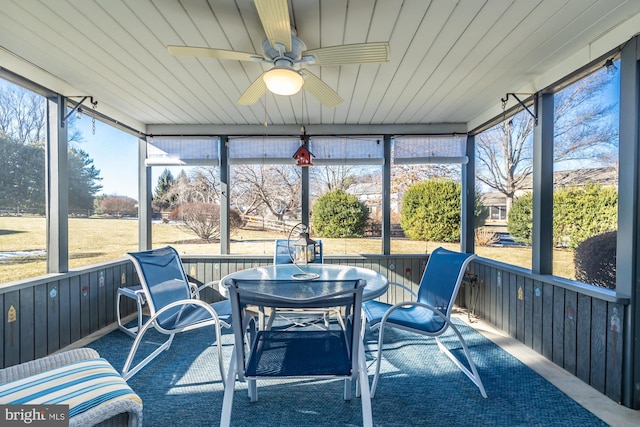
(399, 285)
(195, 289)
(194, 301)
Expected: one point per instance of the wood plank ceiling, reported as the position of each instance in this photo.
(450, 60)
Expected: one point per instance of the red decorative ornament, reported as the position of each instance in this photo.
(303, 156)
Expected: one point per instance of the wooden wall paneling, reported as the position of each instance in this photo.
(3, 327)
(94, 302)
(112, 280)
(415, 274)
(101, 309)
(491, 296)
(495, 303)
(583, 337)
(24, 326)
(398, 294)
(12, 328)
(75, 310)
(207, 269)
(547, 320)
(598, 345)
(224, 268)
(537, 328)
(503, 303)
(65, 312)
(513, 303)
(122, 281)
(558, 326)
(570, 331)
(484, 284)
(520, 313)
(528, 312)
(53, 316)
(485, 292)
(40, 327)
(613, 380)
(85, 306)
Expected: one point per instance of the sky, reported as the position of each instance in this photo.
(114, 153)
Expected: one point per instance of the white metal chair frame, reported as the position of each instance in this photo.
(445, 316)
(240, 359)
(156, 312)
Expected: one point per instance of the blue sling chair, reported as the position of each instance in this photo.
(301, 352)
(430, 313)
(283, 254)
(173, 304)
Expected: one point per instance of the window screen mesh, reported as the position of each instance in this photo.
(262, 150)
(341, 150)
(430, 149)
(182, 150)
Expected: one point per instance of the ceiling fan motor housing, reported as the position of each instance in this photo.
(274, 53)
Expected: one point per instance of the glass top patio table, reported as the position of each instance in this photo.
(279, 280)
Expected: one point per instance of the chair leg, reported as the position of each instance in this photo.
(220, 360)
(227, 400)
(367, 416)
(374, 385)
(127, 370)
(473, 373)
(252, 390)
(347, 389)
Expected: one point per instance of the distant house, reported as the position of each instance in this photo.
(369, 193)
(606, 176)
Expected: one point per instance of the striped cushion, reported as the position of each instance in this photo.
(82, 385)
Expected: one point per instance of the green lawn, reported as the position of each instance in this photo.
(96, 240)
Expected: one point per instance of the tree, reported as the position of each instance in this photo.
(21, 176)
(22, 139)
(334, 177)
(22, 115)
(83, 180)
(339, 214)
(582, 130)
(203, 219)
(115, 205)
(431, 211)
(267, 189)
(579, 213)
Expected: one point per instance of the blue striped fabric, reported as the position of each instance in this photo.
(81, 385)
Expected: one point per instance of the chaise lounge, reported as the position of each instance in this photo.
(95, 392)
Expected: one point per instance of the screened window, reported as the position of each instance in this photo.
(585, 179)
(103, 192)
(22, 186)
(426, 165)
(186, 193)
(504, 167)
(265, 192)
(345, 186)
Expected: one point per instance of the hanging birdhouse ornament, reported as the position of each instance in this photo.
(303, 156)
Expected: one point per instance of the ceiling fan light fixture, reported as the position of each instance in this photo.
(283, 81)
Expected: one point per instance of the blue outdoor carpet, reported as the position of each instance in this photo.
(419, 386)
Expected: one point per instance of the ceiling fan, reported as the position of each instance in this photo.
(286, 52)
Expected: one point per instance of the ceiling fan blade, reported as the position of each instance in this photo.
(213, 53)
(274, 15)
(350, 54)
(253, 92)
(316, 87)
